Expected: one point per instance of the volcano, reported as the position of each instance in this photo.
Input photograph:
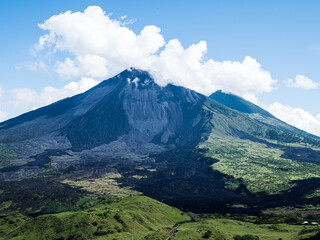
(195, 152)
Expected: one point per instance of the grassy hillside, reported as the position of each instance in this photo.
(128, 218)
(261, 115)
(6, 155)
(259, 167)
(232, 229)
(264, 158)
(139, 217)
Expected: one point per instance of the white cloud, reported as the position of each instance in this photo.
(318, 116)
(185, 67)
(87, 66)
(296, 117)
(301, 81)
(37, 66)
(28, 99)
(251, 98)
(94, 33)
(101, 47)
(3, 116)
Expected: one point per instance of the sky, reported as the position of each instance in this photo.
(265, 51)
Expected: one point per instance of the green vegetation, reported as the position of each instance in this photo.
(128, 218)
(316, 193)
(231, 229)
(256, 165)
(11, 223)
(139, 217)
(6, 155)
(55, 207)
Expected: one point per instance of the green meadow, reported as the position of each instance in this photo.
(259, 167)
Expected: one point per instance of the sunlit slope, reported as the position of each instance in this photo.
(256, 154)
(140, 218)
(128, 218)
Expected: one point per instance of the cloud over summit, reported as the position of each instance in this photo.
(101, 46)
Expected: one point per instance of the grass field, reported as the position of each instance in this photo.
(255, 164)
(139, 217)
(228, 229)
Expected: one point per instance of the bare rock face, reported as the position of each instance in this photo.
(138, 111)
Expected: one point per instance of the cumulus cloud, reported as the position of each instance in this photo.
(301, 81)
(296, 117)
(83, 66)
(101, 47)
(37, 66)
(93, 33)
(26, 98)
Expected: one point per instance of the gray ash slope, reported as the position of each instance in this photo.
(139, 110)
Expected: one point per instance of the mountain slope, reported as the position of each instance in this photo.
(129, 218)
(139, 111)
(131, 108)
(238, 103)
(255, 112)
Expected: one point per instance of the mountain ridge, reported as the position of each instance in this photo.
(255, 112)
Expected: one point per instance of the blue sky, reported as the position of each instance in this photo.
(282, 36)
